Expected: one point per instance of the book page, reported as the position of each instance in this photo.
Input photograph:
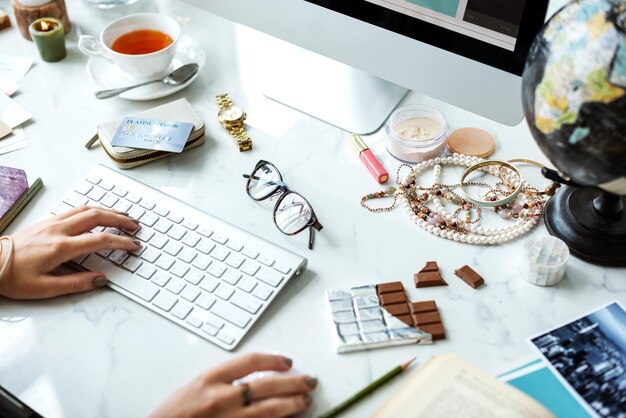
(448, 386)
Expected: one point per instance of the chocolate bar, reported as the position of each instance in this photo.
(429, 276)
(469, 276)
(430, 266)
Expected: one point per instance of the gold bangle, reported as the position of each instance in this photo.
(7, 262)
(548, 191)
(492, 203)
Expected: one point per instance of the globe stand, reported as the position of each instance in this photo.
(591, 222)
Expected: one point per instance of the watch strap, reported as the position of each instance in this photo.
(224, 101)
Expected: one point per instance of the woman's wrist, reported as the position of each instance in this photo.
(6, 255)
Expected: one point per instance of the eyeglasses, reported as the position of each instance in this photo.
(292, 212)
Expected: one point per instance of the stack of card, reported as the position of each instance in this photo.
(14, 193)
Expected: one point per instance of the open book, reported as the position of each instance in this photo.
(447, 386)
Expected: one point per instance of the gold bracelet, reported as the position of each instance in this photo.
(7, 262)
(548, 191)
(492, 203)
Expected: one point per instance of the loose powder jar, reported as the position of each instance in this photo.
(416, 133)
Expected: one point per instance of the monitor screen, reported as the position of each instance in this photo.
(495, 32)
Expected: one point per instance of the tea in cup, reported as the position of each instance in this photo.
(142, 45)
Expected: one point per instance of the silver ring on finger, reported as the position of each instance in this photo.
(246, 393)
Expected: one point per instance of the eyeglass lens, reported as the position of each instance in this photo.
(293, 213)
(263, 181)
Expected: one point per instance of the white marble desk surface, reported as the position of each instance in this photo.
(102, 355)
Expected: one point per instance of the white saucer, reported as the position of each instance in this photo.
(104, 75)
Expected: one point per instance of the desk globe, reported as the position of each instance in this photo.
(574, 97)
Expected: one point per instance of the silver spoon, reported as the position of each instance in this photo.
(177, 77)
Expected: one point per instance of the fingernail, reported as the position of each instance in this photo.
(137, 243)
(308, 399)
(122, 213)
(99, 282)
(134, 220)
(311, 382)
(288, 361)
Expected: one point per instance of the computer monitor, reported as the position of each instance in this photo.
(469, 53)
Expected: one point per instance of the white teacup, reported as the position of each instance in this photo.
(141, 66)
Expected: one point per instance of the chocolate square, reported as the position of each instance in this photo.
(425, 306)
(430, 266)
(397, 309)
(469, 276)
(426, 318)
(406, 319)
(389, 287)
(428, 279)
(392, 298)
(436, 330)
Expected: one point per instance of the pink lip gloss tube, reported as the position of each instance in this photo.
(369, 159)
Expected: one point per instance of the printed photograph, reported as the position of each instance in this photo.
(589, 353)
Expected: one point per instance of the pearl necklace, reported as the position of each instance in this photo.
(468, 232)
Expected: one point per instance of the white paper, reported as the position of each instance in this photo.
(11, 113)
(14, 68)
(8, 86)
(15, 141)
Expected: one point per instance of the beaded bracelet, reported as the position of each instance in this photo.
(7, 262)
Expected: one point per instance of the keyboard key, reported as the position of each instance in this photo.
(246, 302)
(205, 301)
(149, 219)
(262, 292)
(235, 260)
(140, 250)
(164, 261)
(231, 277)
(118, 256)
(122, 206)
(121, 192)
(181, 310)
(173, 248)
(232, 314)
(216, 269)
(146, 271)
(98, 229)
(190, 293)
(270, 277)
(83, 188)
(151, 255)
(191, 239)
(179, 269)
(132, 264)
(161, 211)
(234, 245)
(175, 286)
(176, 218)
(224, 291)
(266, 260)
(109, 200)
(220, 253)
(163, 226)
(104, 253)
(205, 232)
(189, 224)
(61, 208)
(136, 212)
(205, 246)
(133, 198)
(75, 200)
(106, 185)
(113, 231)
(194, 276)
(161, 279)
(121, 278)
(159, 240)
(80, 258)
(187, 255)
(282, 268)
(209, 329)
(201, 262)
(225, 338)
(249, 252)
(144, 234)
(146, 204)
(209, 284)
(250, 267)
(194, 321)
(96, 194)
(247, 284)
(219, 239)
(165, 301)
(93, 179)
(215, 322)
(177, 232)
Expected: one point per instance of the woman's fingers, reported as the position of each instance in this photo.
(281, 385)
(86, 220)
(277, 407)
(48, 286)
(71, 212)
(94, 242)
(244, 365)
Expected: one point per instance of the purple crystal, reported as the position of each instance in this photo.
(504, 214)
(517, 208)
(13, 184)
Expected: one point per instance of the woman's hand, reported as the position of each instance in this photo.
(41, 248)
(212, 394)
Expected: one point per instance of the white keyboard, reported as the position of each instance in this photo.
(199, 272)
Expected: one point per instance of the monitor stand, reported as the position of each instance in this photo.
(345, 97)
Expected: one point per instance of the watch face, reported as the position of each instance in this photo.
(231, 114)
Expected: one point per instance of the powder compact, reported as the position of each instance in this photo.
(416, 133)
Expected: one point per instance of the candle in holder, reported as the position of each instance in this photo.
(48, 35)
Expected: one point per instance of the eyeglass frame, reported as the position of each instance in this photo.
(284, 190)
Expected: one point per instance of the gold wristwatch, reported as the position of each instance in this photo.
(232, 119)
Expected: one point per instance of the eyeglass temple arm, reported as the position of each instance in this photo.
(277, 183)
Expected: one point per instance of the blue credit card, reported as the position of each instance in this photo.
(152, 134)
